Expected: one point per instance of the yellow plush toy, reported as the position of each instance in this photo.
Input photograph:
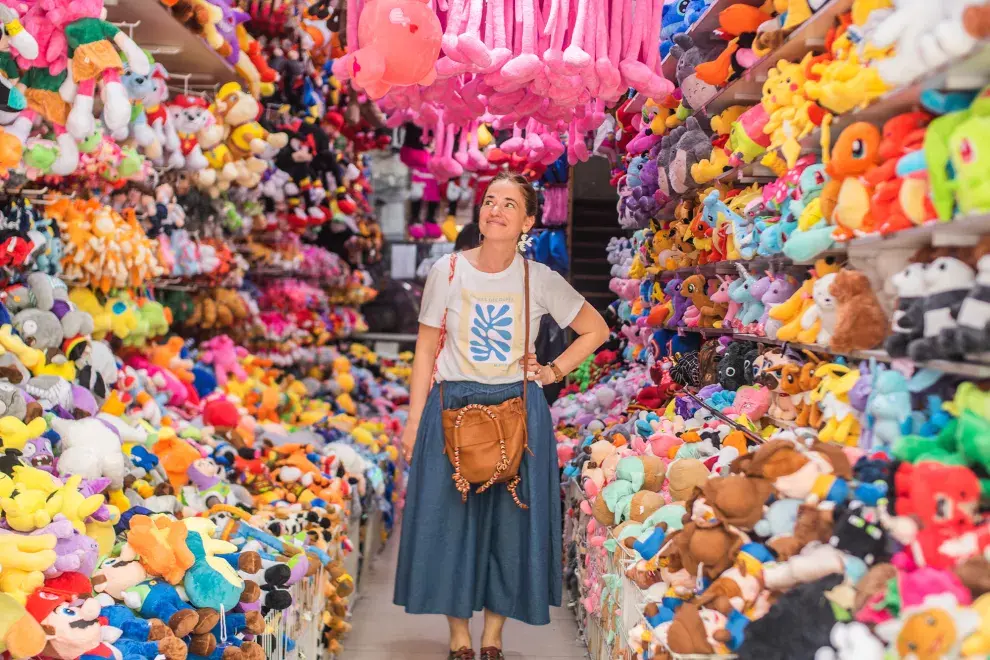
(75, 506)
(86, 300)
(707, 170)
(123, 316)
(14, 433)
(24, 560)
(11, 343)
(789, 110)
(846, 82)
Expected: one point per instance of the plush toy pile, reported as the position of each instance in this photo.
(770, 503)
(762, 459)
(169, 498)
(681, 153)
(167, 490)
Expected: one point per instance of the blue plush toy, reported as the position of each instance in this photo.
(210, 581)
(650, 546)
(157, 599)
(678, 17)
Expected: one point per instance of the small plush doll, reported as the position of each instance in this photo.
(72, 629)
(206, 487)
(970, 338)
(93, 44)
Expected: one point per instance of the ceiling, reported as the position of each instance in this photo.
(170, 43)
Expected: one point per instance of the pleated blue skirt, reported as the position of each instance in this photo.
(456, 558)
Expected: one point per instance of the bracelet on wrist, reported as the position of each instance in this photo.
(558, 376)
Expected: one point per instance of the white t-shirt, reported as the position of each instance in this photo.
(484, 316)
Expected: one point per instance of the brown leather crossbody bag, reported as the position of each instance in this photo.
(485, 443)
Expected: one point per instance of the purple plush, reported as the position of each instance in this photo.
(75, 552)
(686, 407)
(779, 291)
(673, 289)
(84, 400)
(40, 454)
(227, 27)
(90, 487)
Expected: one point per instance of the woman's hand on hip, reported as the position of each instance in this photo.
(409, 439)
(536, 371)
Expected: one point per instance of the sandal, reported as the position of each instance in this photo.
(492, 653)
(462, 654)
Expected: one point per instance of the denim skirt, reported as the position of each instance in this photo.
(455, 557)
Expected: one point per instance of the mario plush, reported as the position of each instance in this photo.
(72, 629)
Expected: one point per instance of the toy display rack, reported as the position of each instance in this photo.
(931, 233)
(965, 72)
(607, 638)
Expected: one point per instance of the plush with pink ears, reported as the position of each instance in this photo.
(399, 41)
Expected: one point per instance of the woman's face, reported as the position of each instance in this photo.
(503, 213)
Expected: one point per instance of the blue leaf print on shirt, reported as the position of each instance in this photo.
(491, 338)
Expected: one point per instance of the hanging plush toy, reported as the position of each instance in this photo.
(399, 43)
(223, 37)
(188, 115)
(92, 51)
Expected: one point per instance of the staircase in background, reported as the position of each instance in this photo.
(593, 223)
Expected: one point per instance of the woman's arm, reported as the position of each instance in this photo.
(592, 332)
(422, 371)
(419, 386)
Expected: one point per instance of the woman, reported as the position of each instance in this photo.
(487, 553)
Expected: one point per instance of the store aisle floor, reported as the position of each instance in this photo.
(383, 631)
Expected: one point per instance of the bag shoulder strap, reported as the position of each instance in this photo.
(443, 328)
(525, 382)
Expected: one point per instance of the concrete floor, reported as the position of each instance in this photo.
(383, 631)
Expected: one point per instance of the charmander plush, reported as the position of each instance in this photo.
(846, 197)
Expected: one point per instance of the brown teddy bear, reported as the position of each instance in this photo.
(712, 546)
(736, 500)
(860, 322)
(683, 476)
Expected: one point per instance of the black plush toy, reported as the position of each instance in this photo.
(858, 532)
(733, 368)
(796, 626)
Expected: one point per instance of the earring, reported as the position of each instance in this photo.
(524, 242)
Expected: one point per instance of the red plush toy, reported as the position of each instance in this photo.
(943, 499)
(902, 203)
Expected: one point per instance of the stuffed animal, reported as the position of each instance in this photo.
(92, 50)
(91, 450)
(223, 355)
(860, 322)
(969, 336)
(160, 545)
(947, 283)
(20, 633)
(819, 320)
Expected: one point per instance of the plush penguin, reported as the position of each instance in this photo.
(908, 321)
(971, 337)
(947, 283)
